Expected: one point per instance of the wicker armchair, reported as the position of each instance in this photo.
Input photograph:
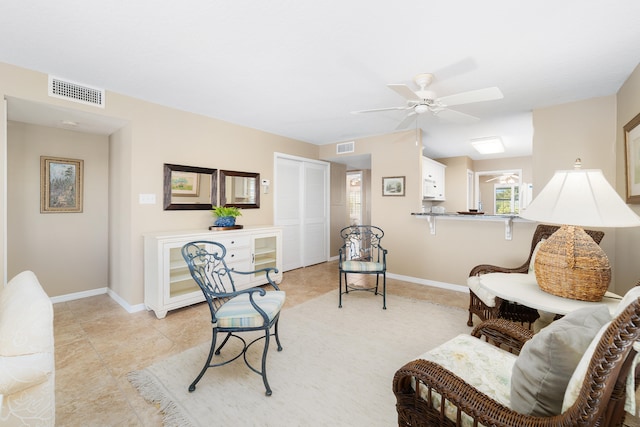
(506, 309)
(600, 400)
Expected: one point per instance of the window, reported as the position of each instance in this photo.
(507, 199)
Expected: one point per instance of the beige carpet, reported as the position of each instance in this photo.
(336, 367)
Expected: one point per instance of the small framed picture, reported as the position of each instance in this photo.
(61, 183)
(393, 186)
(185, 184)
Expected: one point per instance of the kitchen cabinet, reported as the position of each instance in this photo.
(168, 284)
(433, 174)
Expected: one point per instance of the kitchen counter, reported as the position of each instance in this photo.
(433, 217)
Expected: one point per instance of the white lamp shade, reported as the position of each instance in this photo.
(581, 197)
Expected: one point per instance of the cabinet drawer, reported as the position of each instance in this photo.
(233, 242)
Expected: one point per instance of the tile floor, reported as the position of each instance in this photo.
(98, 343)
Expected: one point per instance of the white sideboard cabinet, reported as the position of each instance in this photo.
(432, 180)
(167, 282)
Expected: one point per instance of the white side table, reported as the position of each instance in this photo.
(523, 289)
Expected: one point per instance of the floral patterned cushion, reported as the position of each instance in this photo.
(482, 365)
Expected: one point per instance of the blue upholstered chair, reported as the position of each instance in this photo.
(362, 253)
(233, 311)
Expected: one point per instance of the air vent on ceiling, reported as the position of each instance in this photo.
(345, 147)
(76, 92)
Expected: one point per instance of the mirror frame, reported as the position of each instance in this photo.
(168, 206)
(223, 197)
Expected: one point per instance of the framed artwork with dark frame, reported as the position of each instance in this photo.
(393, 186)
(61, 182)
(632, 159)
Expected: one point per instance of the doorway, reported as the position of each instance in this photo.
(355, 197)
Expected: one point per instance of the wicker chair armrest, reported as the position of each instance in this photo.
(509, 336)
(413, 410)
(488, 268)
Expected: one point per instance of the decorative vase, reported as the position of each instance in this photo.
(225, 221)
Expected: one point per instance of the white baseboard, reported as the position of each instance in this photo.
(99, 291)
(426, 282)
(78, 295)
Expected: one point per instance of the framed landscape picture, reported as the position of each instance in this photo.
(185, 184)
(60, 184)
(632, 156)
(393, 186)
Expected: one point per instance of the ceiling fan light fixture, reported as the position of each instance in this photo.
(489, 145)
(421, 108)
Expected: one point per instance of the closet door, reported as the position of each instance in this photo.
(301, 210)
(314, 214)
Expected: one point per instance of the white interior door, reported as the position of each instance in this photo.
(314, 219)
(301, 194)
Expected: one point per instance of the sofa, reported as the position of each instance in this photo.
(27, 369)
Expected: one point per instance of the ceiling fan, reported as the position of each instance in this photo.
(506, 178)
(424, 100)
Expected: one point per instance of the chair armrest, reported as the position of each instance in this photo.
(503, 333)
(18, 373)
(487, 268)
(267, 271)
(411, 406)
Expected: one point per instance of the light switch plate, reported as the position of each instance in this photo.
(147, 199)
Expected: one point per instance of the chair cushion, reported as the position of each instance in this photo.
(533, 256)
(474, 283)
(482, 365)
(356, 266)
(238, 311)
(547, 361)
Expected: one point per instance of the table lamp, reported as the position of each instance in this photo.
(569, 263)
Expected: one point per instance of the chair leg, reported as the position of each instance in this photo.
(192, 387)
(223, 343)
(340, 291)
(384, 291)
(470, 321)
(267, 333)
(276, 333)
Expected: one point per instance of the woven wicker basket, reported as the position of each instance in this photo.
(571, 265)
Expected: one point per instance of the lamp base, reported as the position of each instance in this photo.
(570, 264)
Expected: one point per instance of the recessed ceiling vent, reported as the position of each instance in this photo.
(76, 92)
(345, 147)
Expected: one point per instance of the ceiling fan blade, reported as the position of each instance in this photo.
(407, 120)
(404, 91)
(455, 116)
(478, 95)
(375, 110)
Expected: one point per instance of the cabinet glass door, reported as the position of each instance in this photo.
(180, 281)
(264, 253)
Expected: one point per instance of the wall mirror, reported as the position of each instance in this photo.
(189, 187)
(240, 189)
(501, 191)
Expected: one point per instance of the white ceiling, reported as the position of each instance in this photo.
(298, 68)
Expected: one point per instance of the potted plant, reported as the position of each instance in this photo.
(226, 215)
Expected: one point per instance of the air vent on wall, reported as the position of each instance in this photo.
(76, 92)
(345, 147)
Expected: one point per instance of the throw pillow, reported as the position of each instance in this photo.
(547, 361)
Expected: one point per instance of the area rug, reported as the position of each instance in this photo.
(336, 368)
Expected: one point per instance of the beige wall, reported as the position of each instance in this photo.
(155, 135)
(626, 267)
(70, 250)
(584, 129)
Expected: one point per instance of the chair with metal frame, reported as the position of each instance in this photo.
(362, 253)
(233, 311)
